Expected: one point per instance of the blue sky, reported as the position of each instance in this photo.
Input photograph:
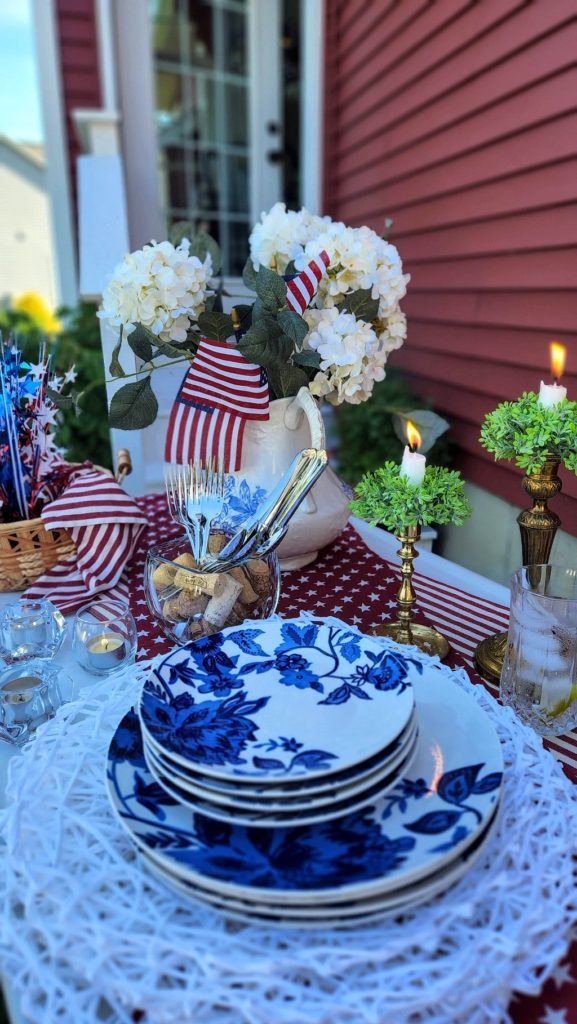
(20, 116)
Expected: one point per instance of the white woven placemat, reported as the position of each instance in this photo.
(86, 931)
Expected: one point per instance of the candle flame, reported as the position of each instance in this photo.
(558, 354)
(105, 643)
(413, 436)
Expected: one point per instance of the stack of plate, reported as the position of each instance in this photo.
(286, 774)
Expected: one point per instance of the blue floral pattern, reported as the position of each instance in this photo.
(454, 787)
(387, 842)
(319, 665)
(240, 502)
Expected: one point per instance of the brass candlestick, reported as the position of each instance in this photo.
(404, 631)
(538, 526)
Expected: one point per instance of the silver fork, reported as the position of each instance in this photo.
(205, 500)
(177, 481)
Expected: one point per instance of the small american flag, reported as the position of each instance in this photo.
(219, 393)
(302, 288)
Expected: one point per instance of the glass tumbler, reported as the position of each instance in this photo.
(31, 629)
(539, 676)
(30, 694)
(104, 637)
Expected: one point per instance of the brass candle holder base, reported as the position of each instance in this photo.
(426, 638)
(538, 526)
(489, 656)
(404, 631)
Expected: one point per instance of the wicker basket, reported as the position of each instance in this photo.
(27, 550)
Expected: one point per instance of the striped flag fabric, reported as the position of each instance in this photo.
(105, 524)
(301, 289)
(219, 393)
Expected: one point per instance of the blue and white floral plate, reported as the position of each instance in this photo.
(286, 700)
(292, 790)
(358, 913)
(431, 816)
(315, 811)
(284, 802)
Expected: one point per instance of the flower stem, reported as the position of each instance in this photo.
(151, 366)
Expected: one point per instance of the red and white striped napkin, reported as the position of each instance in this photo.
(105, 524)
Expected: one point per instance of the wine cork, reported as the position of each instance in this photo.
(216, 542)
(163, 575)
(237, 615)
(195, 629)
(191, 604)
(259, 575)
(212, 583)
(208, 628)
(187, 560)
(248, 594)
(171, 610)
(219, 608)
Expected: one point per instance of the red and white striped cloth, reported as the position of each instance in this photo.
(219, 393)
(105, 524)
(301, 289)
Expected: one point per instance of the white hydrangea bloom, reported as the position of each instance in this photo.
(282, 234)
(353, 352)
(352, 356)
(161, 287)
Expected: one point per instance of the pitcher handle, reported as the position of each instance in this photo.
(304, 402)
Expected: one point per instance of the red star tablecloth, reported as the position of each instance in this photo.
(350, 581)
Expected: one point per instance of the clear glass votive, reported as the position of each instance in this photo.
(539, 676)
(30, 694)
(31, 629)
(104, 636)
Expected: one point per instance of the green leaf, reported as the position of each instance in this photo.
(290, 270)
(115, 369)
(286, 379)
(308, 357)
(182, 348)
(60, 401)
(140, 343)
(293, 325)
(270, 288)
(260, 346)
(362, 305)
(203, 244)
(133, 406)
(259, 310)
(249, 275)
(216, 326)
(427, 422)
(179, 230)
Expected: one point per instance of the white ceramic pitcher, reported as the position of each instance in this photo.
(268, 449)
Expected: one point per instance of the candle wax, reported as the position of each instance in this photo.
(106, 651)
(413, 466)
(551, 395)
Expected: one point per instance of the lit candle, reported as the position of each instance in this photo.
(106, 651)
(413, 465)
(551, 394)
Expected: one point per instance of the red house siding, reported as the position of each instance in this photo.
(79, 68)
(458, 121)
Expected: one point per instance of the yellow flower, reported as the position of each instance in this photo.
(39, 311)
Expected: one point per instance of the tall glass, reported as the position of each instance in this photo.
(539, 676)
